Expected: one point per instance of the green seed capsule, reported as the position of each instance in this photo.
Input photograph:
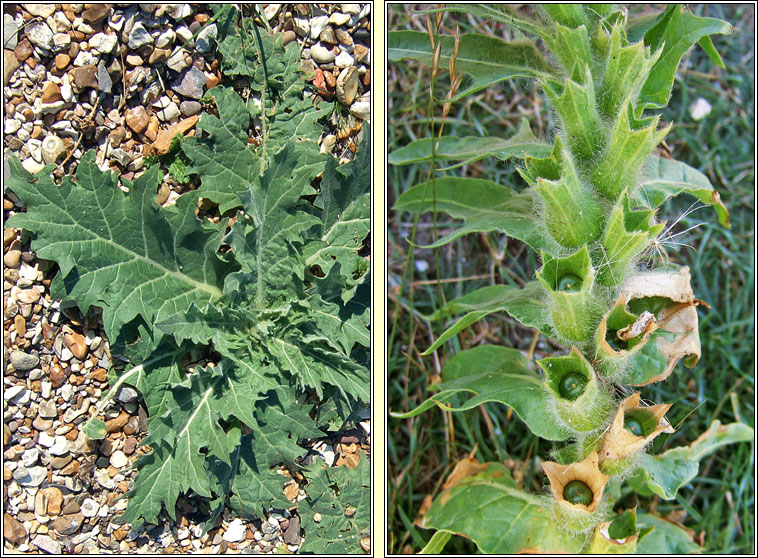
(633, 426)
(572, 385)
(576, 492)
(569, 283)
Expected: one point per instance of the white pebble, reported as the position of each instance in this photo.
(235, 532)
(119, 459)
(12, 126)
(89, 508)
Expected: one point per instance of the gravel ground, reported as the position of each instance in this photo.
(122, 79)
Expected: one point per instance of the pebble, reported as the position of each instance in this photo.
(317, 25)
(158, 55)
(51, 93)
(95, 13)
(42, 424)
(30, 457)
(46, 440)
(103, 43)
(190, 84)
(127, 394)
(68, 524)
(347, 86)
(77, 344)
(169, 113)
(60, 447)
(85, 76)
(288, 37)
(190, 108)
(39, 34)
(23, 50)
(360, 53)
(104, 81)
(12, 258)
(13, 530)
(24, 361)
(61, 40)
(48, 501)
(10, 65)
(177, 61)
(52, 149)
(137, 119)
(292, 533)
(61, 462)
(121, 157)
(344, 37)
(103, 479)
(12, 126)
(48, 410)
(361, 109)
(40, 10)
(119, 459)
(71, 507)
(321, 54)
(139, 36)
(328, 35)
(166, 38)
(235, 532)
(46, 544)
(89, 508)
(163, 142)
(338, 18)
(203, 42)
(32, 476)
(130, 444)
(344, 60)
(10, 32)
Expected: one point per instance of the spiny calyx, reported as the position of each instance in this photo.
(632, 429)
(580, 402)
(572, 480)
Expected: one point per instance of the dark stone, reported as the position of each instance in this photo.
(292, 533)
(104, 81)
(190, 84)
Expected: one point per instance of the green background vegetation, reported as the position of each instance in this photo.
(423, 450)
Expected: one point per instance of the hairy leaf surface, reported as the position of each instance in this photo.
(492, 373)
(121, 252)
(489, 508)
(483, 205)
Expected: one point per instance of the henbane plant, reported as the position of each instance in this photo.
(246, 334)
(589, 210)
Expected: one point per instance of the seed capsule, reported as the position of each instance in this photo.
(569, 283)
(633, 426)
(572, 385)
(576, 492)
